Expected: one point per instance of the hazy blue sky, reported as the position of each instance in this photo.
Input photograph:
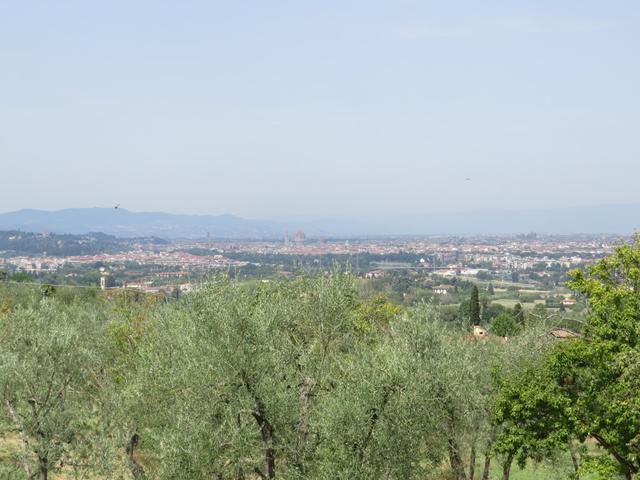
(273, 108)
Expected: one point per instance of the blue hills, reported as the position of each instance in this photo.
(614, 219)
(124, 223)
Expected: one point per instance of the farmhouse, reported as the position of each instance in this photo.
(564, 334)
(443, 289)
(480, 333)
(374, 274)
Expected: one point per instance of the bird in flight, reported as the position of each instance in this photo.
(467, 179)
(117, 207)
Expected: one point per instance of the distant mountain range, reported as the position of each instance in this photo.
(124, 223)
(618, 219)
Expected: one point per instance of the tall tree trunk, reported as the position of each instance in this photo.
(269, 454)
(373, 420)
(43, 470)
(506, 467)
(574, 460)
(472, 461)
(487, 455)
(487, 465)
(136, 469)
(628, 469)
(266, 429)
(23, 436)
(305, 396)
(239, 474)
(456, 462)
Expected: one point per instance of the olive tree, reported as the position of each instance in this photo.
(50, 379)
(231, 376)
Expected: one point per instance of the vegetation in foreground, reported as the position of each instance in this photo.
(302, 379)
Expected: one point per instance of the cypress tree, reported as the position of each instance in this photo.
(518, 313)
(474, 306)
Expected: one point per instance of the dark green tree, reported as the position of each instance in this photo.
(490, 290)
(600, 372)
(538, 313)
(491, 311)
(535, 418)
(504, 325)
(21, 277)
(588, 387)
(518, 313)
(474, 306)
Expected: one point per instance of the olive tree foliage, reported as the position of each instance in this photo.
(51, 376)
(281, 380)
(452, 371)
(230, 377)
(121, 403)
(502, 361)
(465, 372)
(446, 379)
(383, 419)
(292, 380)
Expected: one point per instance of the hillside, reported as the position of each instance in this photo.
(124, 223)
(16, 242)
(617, 219)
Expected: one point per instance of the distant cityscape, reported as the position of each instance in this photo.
(151, 266)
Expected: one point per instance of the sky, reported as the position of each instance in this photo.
(279, 109)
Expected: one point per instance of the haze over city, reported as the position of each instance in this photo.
(294, 109)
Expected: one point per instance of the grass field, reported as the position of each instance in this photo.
(534, 472)
(511, 302)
